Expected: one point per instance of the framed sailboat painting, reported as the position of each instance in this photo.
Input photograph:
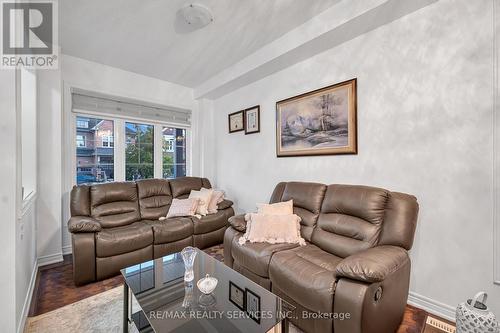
(320, 122)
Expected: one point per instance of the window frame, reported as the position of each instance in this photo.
(119, 147)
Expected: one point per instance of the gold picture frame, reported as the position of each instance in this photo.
(320, 122)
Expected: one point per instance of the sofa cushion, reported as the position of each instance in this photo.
(114, 241)
(307, 199)
(212, 222)
(278, 208)
(351, 219)
(181, 187)
(307, 273)
(216, 198)
(256, 257)
(171, 229)
(154, 198)
(114, 204)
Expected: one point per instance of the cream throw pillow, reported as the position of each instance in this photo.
(279, 208)
(182, 207)
(272, 229)
(216, 198)
(204, 197)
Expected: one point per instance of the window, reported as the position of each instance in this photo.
(80, 141)
(108, 141)
(139, 151)
(132, 140)
(82, 123)
(174, 152)
(94, 161)
(169, 143)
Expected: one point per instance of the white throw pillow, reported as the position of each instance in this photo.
(272, 229)
(279, 208)
(216, 198)
(204, 197)
(182, 207)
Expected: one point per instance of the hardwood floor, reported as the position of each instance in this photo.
(54, 288)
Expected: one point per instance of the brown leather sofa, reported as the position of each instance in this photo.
(115, 225)
(355, 262)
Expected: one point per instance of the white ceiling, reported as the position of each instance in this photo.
(145, 36)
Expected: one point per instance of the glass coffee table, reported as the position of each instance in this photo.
(157, 299)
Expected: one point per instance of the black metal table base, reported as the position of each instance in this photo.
(125, 308)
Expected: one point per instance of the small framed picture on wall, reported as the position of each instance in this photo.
(236, 121)
(252, 120)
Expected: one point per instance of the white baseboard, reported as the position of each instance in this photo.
(67, 249)
(50, 259)
(434, 307)
(27, 300)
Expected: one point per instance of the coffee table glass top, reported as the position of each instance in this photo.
(169, 304)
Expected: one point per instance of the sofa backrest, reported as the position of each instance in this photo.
(114, 204)
(155, 198)
(307, 199)
(181, 187)
(354, 218)
(122, 203)
(351, 219)
(346, 219)
(400, 220)
(80, 200)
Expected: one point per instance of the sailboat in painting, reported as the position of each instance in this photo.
(317, 121)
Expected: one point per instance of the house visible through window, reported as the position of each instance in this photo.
(174, 152)
(139, 151)
(94, 158)
(144, 143)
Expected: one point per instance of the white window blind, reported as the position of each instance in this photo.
(82, 102)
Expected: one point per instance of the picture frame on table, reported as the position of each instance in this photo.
(252, 305)
(237, 296)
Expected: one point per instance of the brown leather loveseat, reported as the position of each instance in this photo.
(353, 274)
(115, 225)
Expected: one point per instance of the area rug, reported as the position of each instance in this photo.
(99, 313)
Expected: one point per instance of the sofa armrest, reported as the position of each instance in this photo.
(224, 204)
(238, 222)
(372, 265)
(79, 224)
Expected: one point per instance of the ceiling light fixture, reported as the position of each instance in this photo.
(196, 16)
